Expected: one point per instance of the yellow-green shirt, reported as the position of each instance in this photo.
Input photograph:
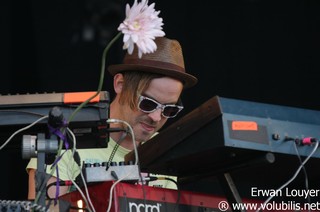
(97, 155)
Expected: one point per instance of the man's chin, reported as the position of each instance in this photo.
(144, 137)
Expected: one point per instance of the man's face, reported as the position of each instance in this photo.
(164, 91)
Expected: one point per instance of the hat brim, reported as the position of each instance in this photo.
(187, 79)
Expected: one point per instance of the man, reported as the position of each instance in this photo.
(147, 92)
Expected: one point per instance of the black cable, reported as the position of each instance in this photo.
(77, 158)
(48, 204)
(61, 183)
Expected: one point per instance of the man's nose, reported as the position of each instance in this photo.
(156, 115)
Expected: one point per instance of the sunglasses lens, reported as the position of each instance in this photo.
(147, 105)
(171, 111)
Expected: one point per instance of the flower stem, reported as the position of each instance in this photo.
(103, 65)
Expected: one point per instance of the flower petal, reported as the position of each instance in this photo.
(141, 26)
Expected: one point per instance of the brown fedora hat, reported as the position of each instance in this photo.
(167, 60)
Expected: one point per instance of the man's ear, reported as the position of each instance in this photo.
(118, 83)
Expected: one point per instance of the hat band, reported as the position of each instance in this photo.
(159, 64)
